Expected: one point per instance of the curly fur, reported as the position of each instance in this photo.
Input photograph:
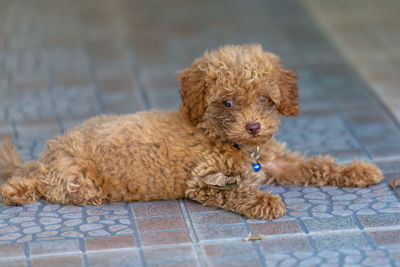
(161, 155)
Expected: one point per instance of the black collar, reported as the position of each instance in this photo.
(237, 146)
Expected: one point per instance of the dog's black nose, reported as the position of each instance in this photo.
(253, 128)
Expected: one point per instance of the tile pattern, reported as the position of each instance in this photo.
(366, 34)
(61, 63)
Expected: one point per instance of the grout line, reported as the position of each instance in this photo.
(83, 250)
(199, 253)
(14, 129)
(111, 250)
(138, 76)
(13, 258)
(27, 254)
(91, 68)
(382, 228)
(136, 236)
(57, 254)
(3, 60)
(302, 226)
(311, 241)
(369, 240)
(256, 245)
(166, 230)
(53, 101)
(94, 80)
(6, 114)
(341, 259)
(9, 83)
(357, 222)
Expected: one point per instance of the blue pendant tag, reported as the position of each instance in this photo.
(256, 166)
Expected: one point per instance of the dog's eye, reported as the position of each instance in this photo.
(228, 103)
(266, 100)
(263, 98)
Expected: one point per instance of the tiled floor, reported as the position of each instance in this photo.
(61, 63)
(368, 35)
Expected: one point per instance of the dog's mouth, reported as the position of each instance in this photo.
(253, 140)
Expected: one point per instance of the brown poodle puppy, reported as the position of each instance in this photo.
(216, 150)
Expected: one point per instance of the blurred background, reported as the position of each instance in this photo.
(64, 61)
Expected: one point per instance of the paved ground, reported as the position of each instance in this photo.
(368, 36)
(64, 61)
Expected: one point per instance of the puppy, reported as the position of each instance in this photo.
(216, 149)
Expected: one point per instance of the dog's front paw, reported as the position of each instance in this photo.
(360, 174)
(267, 207)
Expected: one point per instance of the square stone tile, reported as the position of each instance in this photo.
(119, 81)
(379, 220)
(195, 207)
(151, 209)
(54, 247)
(27, 129)
(385, 237)
(235, 262)
(163, 255)
(389, 166)
(163, 238)
(391, 176)
(215, 233)
(12, 250)
(283, 244)
(67, 261)
(63, 79)
(13, 262)
(129, 257)
(176, 264)
(379, 153)
(276, 228)
(230, 249)
(167, 223)
(6, 130)
(330, 224)
(340, 240)
(215, 219)
(348, 155)
(110, 242)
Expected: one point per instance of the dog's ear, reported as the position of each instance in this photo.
(287, 84)
(192, 90)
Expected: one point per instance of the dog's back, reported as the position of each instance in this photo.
(138, 157)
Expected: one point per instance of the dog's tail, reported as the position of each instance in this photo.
(10, 160)
(20, 187)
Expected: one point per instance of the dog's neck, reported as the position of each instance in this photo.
(248, 148)
(254, 154)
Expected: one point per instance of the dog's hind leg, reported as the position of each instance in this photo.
(70, 181)
(292, 169)
(57, 177)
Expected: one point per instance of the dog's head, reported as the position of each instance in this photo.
(236, 93)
